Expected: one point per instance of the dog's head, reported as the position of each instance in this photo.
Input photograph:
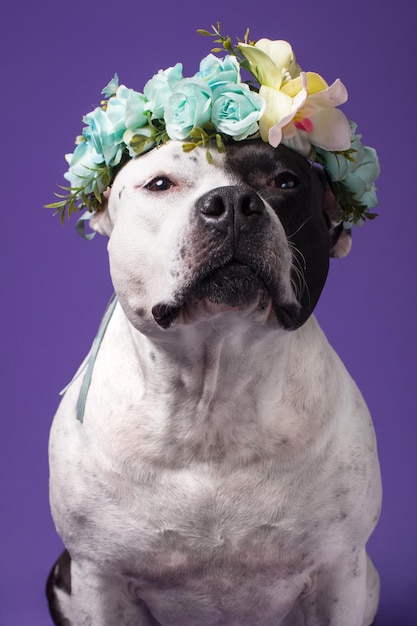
(249, 233)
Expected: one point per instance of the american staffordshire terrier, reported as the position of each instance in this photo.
(225, 471)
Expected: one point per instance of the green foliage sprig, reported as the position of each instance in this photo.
(76, 199)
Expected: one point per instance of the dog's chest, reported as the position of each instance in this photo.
(214, 542)
(195, 513)
(184, 522)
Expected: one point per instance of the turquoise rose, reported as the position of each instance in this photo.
(188, 106)
(218, 72)
(106, 127)
(159, 88)
(337, 165)
(129, 103)
(99, 133)
(236, 110)
(358, 173)
(83, 162)
(361, 179)
(111, 87)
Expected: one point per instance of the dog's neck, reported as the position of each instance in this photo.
(215, 392)
(213, 358)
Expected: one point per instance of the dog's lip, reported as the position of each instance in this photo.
(166, 313)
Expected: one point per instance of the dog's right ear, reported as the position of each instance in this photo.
(100, 222)
(340, 238)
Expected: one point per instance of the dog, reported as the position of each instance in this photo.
(224, 471)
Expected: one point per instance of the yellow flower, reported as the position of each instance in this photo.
(273, 64)
(300, 106)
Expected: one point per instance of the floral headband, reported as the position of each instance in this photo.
(279, 104)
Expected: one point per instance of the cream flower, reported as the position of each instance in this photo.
(300, 106)
(312, 118)
(272, 62)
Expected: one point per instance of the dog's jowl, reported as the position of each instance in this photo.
(224, 469)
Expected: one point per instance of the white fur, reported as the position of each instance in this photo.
(226, 470)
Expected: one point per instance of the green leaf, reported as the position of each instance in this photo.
(188, 147)
(244, 63)
(198, 133)
(141, 143)
(96, 192)
(106, 178)
(220, 143)
(227, 44)
(54, 205)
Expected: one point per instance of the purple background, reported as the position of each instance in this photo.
(56, 57)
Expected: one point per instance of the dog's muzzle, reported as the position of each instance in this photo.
(234, 274)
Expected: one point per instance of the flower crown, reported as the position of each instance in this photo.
(280, 103)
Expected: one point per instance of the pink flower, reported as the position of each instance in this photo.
(311, 117)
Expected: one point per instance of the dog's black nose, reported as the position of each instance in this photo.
(233, 205)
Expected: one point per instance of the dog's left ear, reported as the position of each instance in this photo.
(340, 238)
(100, 222)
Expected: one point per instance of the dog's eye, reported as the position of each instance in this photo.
(285, 180)
(160, 183)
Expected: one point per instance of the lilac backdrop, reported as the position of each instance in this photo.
(56, 57)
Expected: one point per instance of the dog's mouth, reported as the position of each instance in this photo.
(233, 287)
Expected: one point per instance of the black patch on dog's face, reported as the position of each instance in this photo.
(291, 187)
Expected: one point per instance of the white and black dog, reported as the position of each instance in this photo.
(225, 472)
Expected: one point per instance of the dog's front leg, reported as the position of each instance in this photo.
(345, 594)
(100, 600)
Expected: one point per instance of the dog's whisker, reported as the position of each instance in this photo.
(295, 250)
(300, 286)
(300, 227)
